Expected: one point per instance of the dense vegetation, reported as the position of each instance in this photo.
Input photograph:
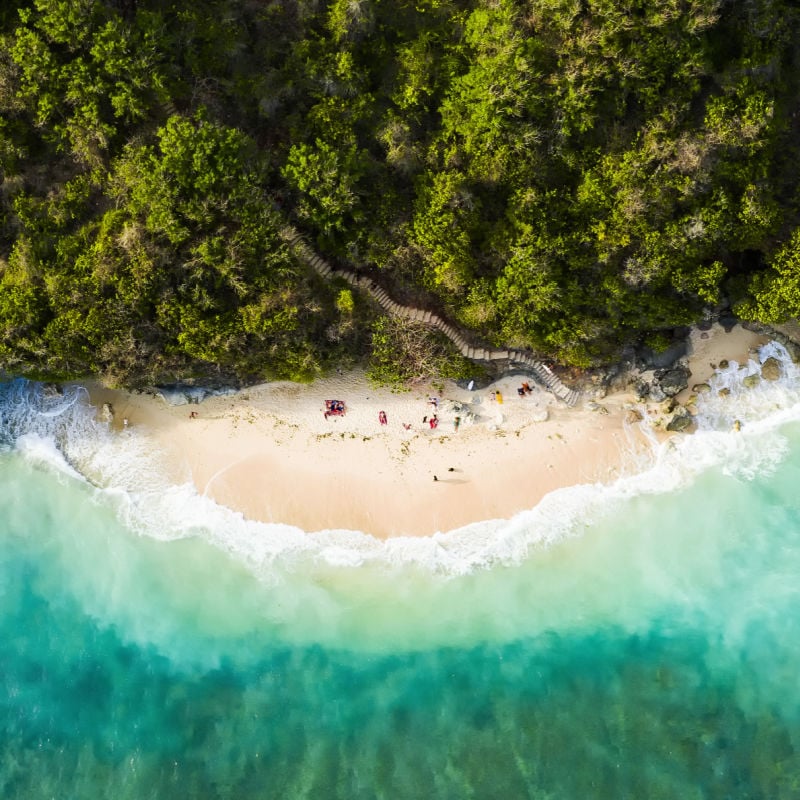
(566, 175)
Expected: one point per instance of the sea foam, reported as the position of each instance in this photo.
(59, 431)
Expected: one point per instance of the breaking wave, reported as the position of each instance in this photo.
(739, 431)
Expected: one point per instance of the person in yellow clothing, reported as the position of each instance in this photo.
(499, 397)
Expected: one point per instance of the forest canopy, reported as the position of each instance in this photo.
(568, 176)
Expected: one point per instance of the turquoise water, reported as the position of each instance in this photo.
(640, 640)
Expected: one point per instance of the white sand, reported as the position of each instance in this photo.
(270, 453)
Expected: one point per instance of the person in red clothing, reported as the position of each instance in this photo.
(382, 417)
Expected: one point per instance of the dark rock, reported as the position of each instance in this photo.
(665, 358)
(724, 391)
(680, 421)
(724, 364)
(672, 381)
(728, 322)
(182, 395)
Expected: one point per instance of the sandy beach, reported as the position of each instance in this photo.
(269, 451)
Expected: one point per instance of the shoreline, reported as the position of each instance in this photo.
(270, 453)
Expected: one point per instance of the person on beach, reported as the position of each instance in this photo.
(434, 422)
(406, 426)
(456, 423)
(434, 401)
(382, 417)
(499, 397)
(192, 415)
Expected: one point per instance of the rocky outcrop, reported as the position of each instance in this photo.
(771, 369)
(672, 381)
(751, 381)
(681, 420)
(665, 383)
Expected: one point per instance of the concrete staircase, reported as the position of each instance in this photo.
(540, 371)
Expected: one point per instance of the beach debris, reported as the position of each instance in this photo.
(751, 381)
(771, 369)
(107, 413)
(701, 388)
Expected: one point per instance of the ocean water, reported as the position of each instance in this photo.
(640, 640)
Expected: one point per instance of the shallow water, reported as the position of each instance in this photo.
(639, 640)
